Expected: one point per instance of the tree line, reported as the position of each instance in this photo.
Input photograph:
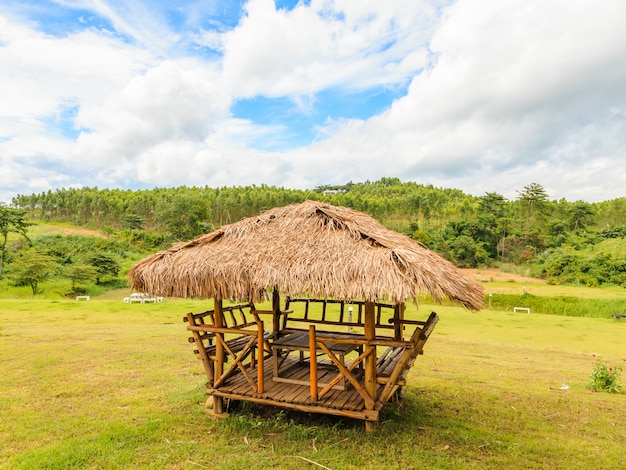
(551, 236)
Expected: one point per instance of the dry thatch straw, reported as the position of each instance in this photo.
(311, 248)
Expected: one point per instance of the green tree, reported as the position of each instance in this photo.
(31, 267)
(491, 211)
(79, 273)
(580, 215)
(493, 204)
(133, 222)
(557, 231)
(535, 198)
(503, 227)
(467, 253)
(184, 216)
(11, 221)
(104, 265)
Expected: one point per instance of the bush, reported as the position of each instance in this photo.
(605, 378)
(572, 267)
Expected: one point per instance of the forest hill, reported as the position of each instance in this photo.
(551, 236)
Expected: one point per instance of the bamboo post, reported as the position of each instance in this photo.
(276, 309)
(218, 402)
(313, 362)
(370, 360)
(398, 314)
(261, 360)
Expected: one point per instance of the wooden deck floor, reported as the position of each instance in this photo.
(346, 402)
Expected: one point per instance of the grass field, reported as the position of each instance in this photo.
(103, 384)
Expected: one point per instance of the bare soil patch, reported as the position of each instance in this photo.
(494, 274)
(81, 231)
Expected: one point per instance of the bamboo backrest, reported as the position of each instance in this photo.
(396, 361)
(302, 312)
(235, 340)
(235, 316)
(240, 316)
(420, 336)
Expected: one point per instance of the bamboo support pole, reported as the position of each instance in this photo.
(398, 317)
(370, 360)
(276, 310)
(261, 359)
(313, 362)
(218, 402)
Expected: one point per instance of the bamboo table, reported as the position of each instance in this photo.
(299, 341)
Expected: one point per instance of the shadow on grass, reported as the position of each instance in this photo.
(407, 410)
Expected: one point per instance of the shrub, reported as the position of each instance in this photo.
(605, 379)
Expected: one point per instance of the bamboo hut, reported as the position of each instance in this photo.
(326, 269)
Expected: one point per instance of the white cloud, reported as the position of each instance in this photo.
(325, 44)
(42, 76)
(172, 101)
(38, 71)
(215, 162)
(210, 38)
(500, 94)
(137, 20)
(520, 91)
(514, 57)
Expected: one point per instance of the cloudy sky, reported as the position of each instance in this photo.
(480, 95)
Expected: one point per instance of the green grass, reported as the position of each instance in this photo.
(568, 306)
(53, 228)
(547, 290)
(103, 384)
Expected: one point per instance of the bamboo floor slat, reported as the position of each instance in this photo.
(282, 392)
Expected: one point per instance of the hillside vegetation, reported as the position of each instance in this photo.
(90, 236)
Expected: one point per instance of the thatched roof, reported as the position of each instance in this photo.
(311, 248)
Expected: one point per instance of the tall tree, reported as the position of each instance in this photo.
(11, 221)
(183, 215)
(491, 211)
(492, 203)
(535, 197)
(133, 222)
(580, 215)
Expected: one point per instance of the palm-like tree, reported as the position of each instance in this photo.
(11, 221)
(534, 196)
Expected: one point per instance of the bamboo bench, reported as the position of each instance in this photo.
(394, 363)
(235, 317)
(317, 312)
(300, 313)
(242, 320)
(391, 366)
(300, 341)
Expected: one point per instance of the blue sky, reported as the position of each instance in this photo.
(480, 95)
